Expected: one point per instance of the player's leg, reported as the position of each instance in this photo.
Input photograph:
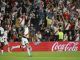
(29, 49)
(7, 44)
(1, 47)
(25, 43)
(14, 47)
(9, 48)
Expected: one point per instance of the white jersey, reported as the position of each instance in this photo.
(77, 37)
(5, 40)
(24, 41)
(1, 39)
(26, 32)
(5, 34)
(5, 37)
(67, 26)
(22, 21)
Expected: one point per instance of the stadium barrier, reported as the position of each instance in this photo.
(47, 46)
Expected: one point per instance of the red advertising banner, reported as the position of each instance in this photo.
(47, 46)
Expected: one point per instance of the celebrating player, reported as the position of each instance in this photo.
(25, 42)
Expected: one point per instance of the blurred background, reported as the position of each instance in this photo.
(47, 20)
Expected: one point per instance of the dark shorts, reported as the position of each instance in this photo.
(1, 45)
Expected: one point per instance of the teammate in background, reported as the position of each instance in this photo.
(5, 40)
(1, 38)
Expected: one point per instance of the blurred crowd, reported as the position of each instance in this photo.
(47, 20)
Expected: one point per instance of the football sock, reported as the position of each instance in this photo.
(2, 51)
(28, 51)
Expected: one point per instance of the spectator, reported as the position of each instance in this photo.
(77, 36)
(39, 35)
(46, 16)
(65, 37)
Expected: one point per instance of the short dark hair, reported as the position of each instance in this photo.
(60, 30)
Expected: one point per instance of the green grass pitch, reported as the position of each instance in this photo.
(41, 55)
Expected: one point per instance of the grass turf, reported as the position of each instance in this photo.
(41, 56)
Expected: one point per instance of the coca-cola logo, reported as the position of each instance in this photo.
(69, 46)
